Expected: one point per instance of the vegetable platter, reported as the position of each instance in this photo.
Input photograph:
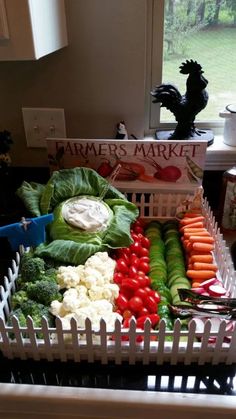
(131, 331)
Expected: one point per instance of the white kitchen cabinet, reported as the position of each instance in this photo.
(30, 29)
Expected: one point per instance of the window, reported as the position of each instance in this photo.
(202, 30)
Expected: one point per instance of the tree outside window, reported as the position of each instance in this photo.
(205, 31)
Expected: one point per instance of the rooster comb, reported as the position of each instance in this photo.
(190, 66)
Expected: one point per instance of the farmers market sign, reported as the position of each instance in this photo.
(156, 163)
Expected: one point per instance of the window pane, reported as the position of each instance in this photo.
(205, 31)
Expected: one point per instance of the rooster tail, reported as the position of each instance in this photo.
(190, 66)
(166, 94)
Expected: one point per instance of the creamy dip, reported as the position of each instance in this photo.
(89, 214)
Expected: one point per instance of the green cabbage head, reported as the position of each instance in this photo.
(69, 244)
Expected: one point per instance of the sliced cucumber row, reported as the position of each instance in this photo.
(174, 256)
(167, 266)
(158, 271)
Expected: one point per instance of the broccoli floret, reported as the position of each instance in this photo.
(51, 263)
(20, 316)
(31, 268)
(50, 275)
(19, 298)
(37, 311)
(43, 291)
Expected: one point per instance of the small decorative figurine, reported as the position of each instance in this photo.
(186, 107)
(29, 232)
(121, 133)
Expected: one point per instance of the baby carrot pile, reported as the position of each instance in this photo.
(199, 246)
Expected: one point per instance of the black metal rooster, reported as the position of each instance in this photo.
(186, 107)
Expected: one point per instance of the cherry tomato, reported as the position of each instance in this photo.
(145, 259)
(142, 281)
(148, 280)
(132, 272)
(143, 312)
(145, 242)
(126, 322)
(135, 304)
(122, 302)
(134, 260)
(124, 257)
(144, 267)
(118, 277)
(143, 251)
(121, 266)
(138, 229)
(140, 273)
(154, 319)
(135, 237)
(137, 222)
(142, 293)
(156, 296)
(148, 290)
(127, 292)
(125, 251)
(130, 284)
(135, 248)
(150, 304)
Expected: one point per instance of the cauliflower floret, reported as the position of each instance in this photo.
(111, 319)
(66, 320)
(92, 277)
(73, 300)
(102, 263)
(110, 292)
(95, 293)
(90, 293)
(69, 276)
(107, 291)
(82, 290)
(57, 309)
(81, 314)
(102, 306)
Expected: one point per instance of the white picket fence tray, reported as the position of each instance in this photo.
(107, 346)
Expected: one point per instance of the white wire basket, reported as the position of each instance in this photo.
(103, 345)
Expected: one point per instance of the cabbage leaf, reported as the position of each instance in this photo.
(69, 244)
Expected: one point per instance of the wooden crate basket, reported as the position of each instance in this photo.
(106, 346)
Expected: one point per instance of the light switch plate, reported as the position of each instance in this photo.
(41, 123)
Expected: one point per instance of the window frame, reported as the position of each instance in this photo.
(154, 58)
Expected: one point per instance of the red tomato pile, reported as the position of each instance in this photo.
(136, 298)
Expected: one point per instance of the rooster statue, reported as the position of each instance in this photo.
(186, 107)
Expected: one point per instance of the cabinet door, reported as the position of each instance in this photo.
(4, 32)
(31, 28)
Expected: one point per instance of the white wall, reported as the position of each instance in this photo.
(98, 79)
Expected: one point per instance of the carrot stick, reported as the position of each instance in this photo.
(197, 253)
(202, 234)
(200, 275)
(192, 214)
(196, 284)
(201, 258)
(188, 247)
(194, 230)
(193, 225)
(186, 220)
(202, 247)
(201, 239)
(202, 266)
(185, 243)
